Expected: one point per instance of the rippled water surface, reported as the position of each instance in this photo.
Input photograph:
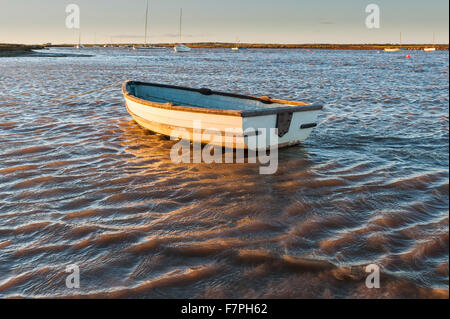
(81, 183)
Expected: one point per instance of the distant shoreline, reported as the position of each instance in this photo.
(14, 50)
(325, 46)
(208, 45)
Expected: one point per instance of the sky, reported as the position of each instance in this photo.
(247, 21)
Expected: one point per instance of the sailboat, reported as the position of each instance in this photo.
(431, 49)
(181, 47)
(394, 49)
(237, 47)
(79, 45)
(146, 47)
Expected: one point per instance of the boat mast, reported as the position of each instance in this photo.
(146, 23)
(400, 38)
(181, 19)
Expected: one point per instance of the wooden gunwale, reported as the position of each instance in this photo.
(293, 106)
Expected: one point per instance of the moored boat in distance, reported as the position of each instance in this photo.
(182, 48)
(391, 50)
(164, 108)
(395, 49)
(79, 45)
(431, 49)
(148, 48)
(237, 47)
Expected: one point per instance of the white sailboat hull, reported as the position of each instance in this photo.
(182, 48)
(391, 50)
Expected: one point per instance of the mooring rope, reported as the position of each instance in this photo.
(86, 93)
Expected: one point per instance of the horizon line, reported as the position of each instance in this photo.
(230, 43)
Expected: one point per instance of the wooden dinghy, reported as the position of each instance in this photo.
(165, 108)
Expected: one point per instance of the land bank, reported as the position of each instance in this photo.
(13, 50)
(324, 46)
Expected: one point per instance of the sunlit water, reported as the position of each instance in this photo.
(81, 183)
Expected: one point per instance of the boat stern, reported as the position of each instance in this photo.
(282, 129)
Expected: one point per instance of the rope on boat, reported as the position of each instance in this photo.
(86, 93)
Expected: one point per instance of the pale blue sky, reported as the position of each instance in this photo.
(274, 21)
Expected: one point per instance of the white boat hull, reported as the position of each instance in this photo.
(167, 119)
(147, 48)
(429, 49)
(391, 50)
(182, 48)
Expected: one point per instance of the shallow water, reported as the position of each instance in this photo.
(81, 183)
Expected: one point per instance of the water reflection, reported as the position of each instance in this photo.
(82, 183)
